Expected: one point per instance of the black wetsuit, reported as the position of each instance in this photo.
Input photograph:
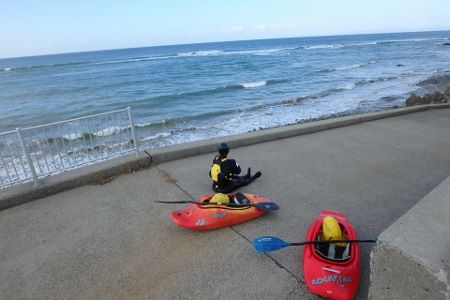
(228, 179)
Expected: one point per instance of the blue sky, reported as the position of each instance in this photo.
(49, 26)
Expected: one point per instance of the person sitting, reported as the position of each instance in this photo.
(332, 231)
(225, 172)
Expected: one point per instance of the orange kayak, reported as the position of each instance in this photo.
(208, 216)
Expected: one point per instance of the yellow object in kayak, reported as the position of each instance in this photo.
(332, 231)
(220, 198)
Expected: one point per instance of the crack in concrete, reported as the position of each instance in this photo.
(299, 282)
(273, 259)
(175, 183)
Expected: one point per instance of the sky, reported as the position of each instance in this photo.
(30, 27)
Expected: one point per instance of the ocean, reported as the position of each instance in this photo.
(184, 93)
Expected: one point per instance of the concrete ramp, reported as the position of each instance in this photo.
(412, 260)
(110, 240)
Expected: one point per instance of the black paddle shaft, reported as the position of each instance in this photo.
(332, 241)
(210, 203)
(264, 206)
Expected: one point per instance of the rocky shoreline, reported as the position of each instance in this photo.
(441, 85)
(433, 90)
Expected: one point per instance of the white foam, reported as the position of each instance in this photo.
(254, 84)
(331, 46)
(157, 136)
(408, 40)
(109, 131)
(376, 42)
(189, 54)
(349, 86)
(6, 69)
(363, 43)
(201, 53)
(102, 132)
(146, 124)
(259, 52)
(72, 136)
(242, 52)
(353, 66)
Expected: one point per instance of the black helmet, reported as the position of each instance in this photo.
(223, 149)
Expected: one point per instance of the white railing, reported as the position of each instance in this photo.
(31, 153)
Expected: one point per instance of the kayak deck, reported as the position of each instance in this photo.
(208, 216)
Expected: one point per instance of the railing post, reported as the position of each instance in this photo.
(133, 133)
(27, 156)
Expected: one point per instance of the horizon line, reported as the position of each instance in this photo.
(224, 41)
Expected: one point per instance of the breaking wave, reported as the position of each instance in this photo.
(171, 122)
(212, 91)
(254, 84)
(201, 53)
(345, 67)
(331, 46)
(363, 43)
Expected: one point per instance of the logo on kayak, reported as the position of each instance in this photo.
(218, 216)
(332, 278)
(200, 222)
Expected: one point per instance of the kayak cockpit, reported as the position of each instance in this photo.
(234, 199)
(333, 251)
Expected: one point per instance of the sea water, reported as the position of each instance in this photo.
(189, 92)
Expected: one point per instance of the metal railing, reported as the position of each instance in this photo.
(31, 153)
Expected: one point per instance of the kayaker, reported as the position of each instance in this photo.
(225, 172)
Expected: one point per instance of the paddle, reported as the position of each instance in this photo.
(271, 243)
(264, 206)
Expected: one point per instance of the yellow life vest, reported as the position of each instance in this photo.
(332, 231)
(215, 169)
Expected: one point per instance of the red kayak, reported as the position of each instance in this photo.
(328, 272)
(202, 217)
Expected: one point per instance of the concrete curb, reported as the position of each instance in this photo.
(412, 260)
(106, 171)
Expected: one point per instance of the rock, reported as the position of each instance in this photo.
(447, 91)
(433, 98)
(440, 81)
